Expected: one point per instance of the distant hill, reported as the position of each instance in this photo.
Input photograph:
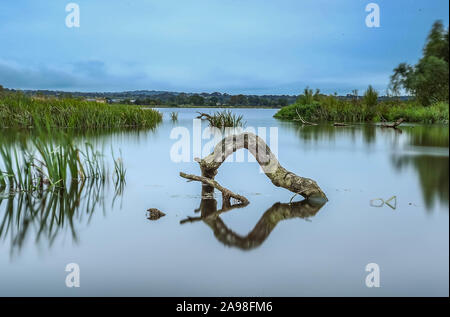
(169, 98)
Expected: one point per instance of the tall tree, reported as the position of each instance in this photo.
(428, 79)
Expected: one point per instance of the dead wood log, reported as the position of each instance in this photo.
(340, 124)
(226, 193)
(393, 125)
(303, 121)
(279, 176)
(203, 115)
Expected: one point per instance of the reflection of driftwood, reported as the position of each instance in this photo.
(278, 212)
(393, 125)
(303, 121)
(279, 176)
(380, 202)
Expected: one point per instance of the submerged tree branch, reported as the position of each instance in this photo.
(393, 125)
(226, 193)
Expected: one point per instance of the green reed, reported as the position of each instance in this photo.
(174, 116)
(225, 118)
(54, 163)
(119, 170)
(20, 111)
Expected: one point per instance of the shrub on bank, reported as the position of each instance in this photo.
(345, 111)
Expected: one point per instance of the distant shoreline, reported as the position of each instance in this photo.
(210, 107)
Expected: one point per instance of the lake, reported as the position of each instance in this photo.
(268, 248)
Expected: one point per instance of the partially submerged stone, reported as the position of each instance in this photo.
(155, 214)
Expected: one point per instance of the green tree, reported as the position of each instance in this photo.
(196, 100)
(282, 102)
(240, 100)
(370, 97)
(428, 79)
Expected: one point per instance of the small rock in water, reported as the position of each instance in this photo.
(155, 214)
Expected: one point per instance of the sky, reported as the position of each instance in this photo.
(247, 46)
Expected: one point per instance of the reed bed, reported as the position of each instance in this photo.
(331, 109)
(224, 119)
(20, 111)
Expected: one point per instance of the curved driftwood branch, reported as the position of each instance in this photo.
(279, 176)
(202, 115)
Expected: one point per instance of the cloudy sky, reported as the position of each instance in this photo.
(245, 46)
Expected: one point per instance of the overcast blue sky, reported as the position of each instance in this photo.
(250, 47)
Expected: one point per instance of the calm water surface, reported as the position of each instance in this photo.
(269, 248)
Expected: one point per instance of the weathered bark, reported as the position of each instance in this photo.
(279, 176)
(226, 193)
(203, 115)
(393, 125)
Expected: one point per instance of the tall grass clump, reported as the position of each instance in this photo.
(119, 170)
(20, 111)
(174, 116)
(224, 119)
(48, 164)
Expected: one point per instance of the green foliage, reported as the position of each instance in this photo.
(20, 111)
(370, 98)
(306, 98)
(332, 109)
(428, 79)
(55, 163)
(225, 118)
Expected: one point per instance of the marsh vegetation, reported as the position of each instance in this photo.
(20, 111)
(223, 119)
(41, 164)
(316, 107)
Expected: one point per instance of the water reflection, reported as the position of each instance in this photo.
(422, 147)
(433, 181)
(44, 215)
(22, 136)
(428, 135)
(327, 132)
(210, 215)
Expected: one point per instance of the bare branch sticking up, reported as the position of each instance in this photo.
(303, 121)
